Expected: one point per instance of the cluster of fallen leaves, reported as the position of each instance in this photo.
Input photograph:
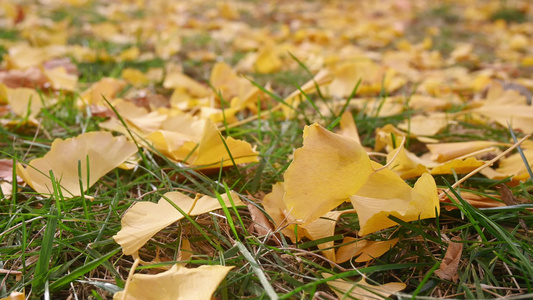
(368, 49)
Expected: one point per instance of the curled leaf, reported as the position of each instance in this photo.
(450, 263)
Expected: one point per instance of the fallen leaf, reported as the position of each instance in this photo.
(261, 224)
(267, 61)
(144, 219)
(330, 169)
(96, 152)
(61, 79)
(511, 166)
(474, 199)
(385, 135)
(25, 102)
(6, 170)
(15, 296)
(177, 283)
(176, 79)
(427, 125)
(7, 189)
(105, 88)
(348, 128)
(277, 210)
(374, 203)
(134, 77)
(365, 250)
(442, 152)
(321, 228)
(405, 164)
(506, 195)
(229, 85)
(30, 78)
(138, 116)
(362, 290)
(519, 116)
(215, 151)
(450, 263)
(24, 56)
(325, 172)
(458, 166)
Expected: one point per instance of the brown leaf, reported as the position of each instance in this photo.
(450, 263)
(476, 200)
(507, 195)
(261, 224)
(509, 199)
(6, 170)
(31, 78)
(66, 63)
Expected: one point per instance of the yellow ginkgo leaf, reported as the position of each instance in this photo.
(176, 79)
(459, 166)
(23, 56)
(511, 166)
(346, 77)
(177, 283)
(129, 54)
(364, 250)
(24, 102)
(171, 144)
(497, 94)
(134, 77)
(321, 228)
(105, 88)
(442, 152)
(374, 78)
(213, 149)
(218, 115)
(462, 52)
(362, 290)
(348, 128)
(428, 103)
(384, 137)
(267, 61)
(277, 210)
(15, 296)
(96, 152)
(384, 194)
(519, 116)
(427, 125)
(229, 85)
(139, 116)
(405, 164)
(61, 80)
(325, 172)
(144, 219)
(228, 11)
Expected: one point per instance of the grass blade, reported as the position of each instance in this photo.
(45, 254)
(258, 271)
(65, 280)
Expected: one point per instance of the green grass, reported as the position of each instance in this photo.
(63, 247)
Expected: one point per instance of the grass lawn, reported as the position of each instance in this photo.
(212, 105)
